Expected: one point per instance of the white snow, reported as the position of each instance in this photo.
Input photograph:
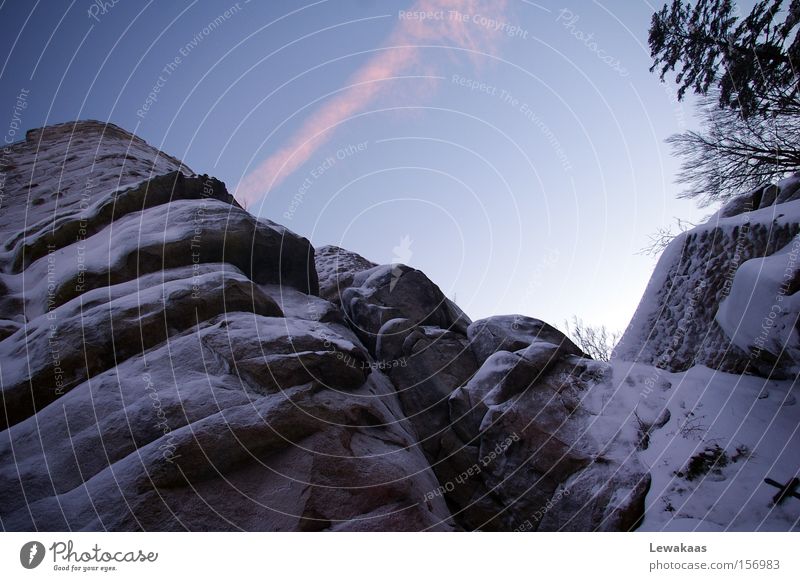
(759, 313)
(673, 322)
(755, 421)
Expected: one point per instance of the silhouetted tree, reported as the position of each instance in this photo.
(743, 67)
(732, 154)
(750, 61)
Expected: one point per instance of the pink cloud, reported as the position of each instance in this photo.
(365, 85)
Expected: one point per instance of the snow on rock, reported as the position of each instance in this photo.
(397, 291)
(38, 239)
(708, 368)
(675, 325)
(173, 346)
(336, 268)
(187, 235)
(718, 437)
(514, 332)
(508, 435)
(58, 350)
(64, 168)
(548, 457)
(760, 315)
(193, 372)
(189, 442)
(787, 190)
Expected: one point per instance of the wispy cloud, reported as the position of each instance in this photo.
(401, 55)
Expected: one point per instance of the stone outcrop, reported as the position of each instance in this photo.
(336, 268)
(543, 456)
(675, 326)
(198, 368)
(501, 408)
(187, 374)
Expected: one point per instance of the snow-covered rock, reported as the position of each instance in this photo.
(56, 351)
(66, 168)
(397, 291)
(708, 367)
(675, 326)
(37, 240)
(336, 268)
(529, 451)
(760, 315)
(169, 362)
(514, 332)
(711, 440)
(173, 346)
(179, 438)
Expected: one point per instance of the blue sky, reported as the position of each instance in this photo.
(514, 153)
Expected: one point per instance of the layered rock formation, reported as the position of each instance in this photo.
(170, 362)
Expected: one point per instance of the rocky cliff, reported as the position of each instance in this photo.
(722, 294)
(170, 362)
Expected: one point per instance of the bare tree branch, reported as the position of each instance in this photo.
(731, 155)
(596, 341)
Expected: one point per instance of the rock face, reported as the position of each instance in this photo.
(705, 277)
(393, 291)
(188, 376)
(336, 268)
(502, 411)
(537, 455)
(515, 332)
(761, 313)
(195, 372)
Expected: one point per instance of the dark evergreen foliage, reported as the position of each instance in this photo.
(745, 70)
